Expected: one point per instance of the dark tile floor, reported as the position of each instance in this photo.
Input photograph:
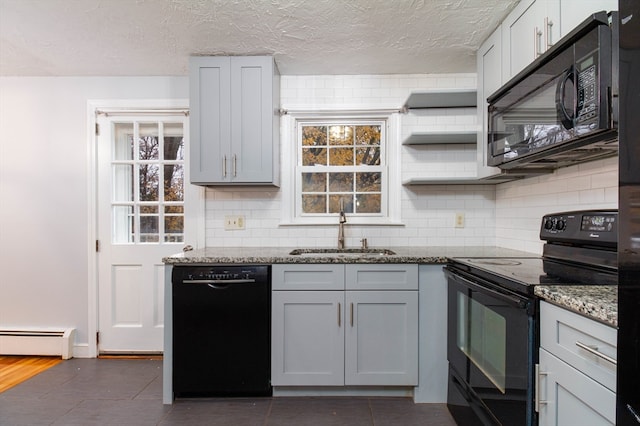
(129, 392)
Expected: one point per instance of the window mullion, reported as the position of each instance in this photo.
(161, 182)
(136, 182)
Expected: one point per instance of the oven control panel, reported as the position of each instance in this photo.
(582, 228)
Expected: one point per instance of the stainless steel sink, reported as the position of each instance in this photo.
(329, 252)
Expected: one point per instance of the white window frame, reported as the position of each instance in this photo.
(291, 176)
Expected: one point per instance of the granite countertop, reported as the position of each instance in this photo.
(599, 302)
(273, 255)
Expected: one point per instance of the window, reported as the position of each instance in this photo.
(341, 166)
(148, 182)
(363, 174)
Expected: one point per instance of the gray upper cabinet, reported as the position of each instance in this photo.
(569, 19)
(235, 124)
(489, 62)
(529, 30)
(533, 26)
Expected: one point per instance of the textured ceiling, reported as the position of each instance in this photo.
(156, 37)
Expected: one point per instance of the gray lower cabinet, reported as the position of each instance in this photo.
(234, 121)
(307, 338)
(381, 338)
(326, 334)
(576, 372)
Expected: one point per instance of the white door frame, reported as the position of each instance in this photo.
(194, 215)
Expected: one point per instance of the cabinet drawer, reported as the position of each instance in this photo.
(382, 277)
(566, 334)
(307, 277)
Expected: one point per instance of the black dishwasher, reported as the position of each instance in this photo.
(221, 330)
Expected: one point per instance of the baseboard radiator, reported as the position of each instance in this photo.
(37, 342)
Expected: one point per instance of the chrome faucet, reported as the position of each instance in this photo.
(343, 220)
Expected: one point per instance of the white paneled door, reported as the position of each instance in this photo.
(141, 219)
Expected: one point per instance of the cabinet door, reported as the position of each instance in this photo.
(527, 32)
(307, 338)
(210, 119)
(489, 80)
(573, 12)
(381, 335)
(252, 114)
(568, 397)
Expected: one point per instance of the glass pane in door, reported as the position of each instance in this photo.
(148, 183)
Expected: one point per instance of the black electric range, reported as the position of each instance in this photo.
(492, 315)
(581, 248)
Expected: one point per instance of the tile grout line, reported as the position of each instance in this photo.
(373, 420)
(266, 418)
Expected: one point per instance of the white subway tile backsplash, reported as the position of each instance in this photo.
(506, 215)
(591, 196)
(520, 205)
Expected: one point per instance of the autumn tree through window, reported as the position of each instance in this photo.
(341, 164)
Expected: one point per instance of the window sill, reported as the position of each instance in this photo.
(333, 221)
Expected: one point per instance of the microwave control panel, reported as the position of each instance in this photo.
(587, 94)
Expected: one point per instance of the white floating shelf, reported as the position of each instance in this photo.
(444, 98)
(492, 180)
(429, 138)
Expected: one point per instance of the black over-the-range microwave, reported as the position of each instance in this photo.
(562, 109)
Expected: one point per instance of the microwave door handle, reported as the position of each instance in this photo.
(563, 115)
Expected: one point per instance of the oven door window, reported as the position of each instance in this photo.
(482, 336)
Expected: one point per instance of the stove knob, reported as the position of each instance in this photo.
(561, 225)
(548, 224)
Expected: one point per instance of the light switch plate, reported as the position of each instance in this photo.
(459, 223)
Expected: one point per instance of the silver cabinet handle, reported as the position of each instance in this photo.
(548, 24)
(235, 168)
(537, 40)
(339, 315)
(592, 349)
(538, 402)
(224, 166)
(351, 314)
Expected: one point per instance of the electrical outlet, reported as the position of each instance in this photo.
(234, 222)
(459, 223)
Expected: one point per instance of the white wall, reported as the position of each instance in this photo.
(44, 244)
